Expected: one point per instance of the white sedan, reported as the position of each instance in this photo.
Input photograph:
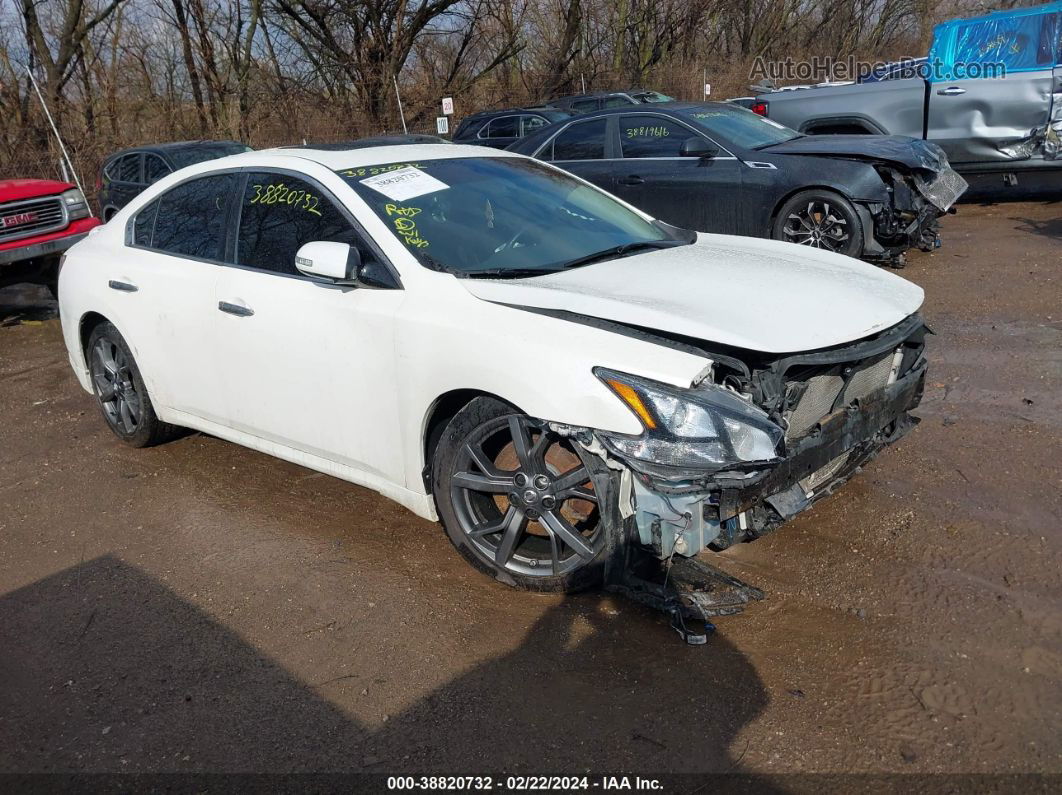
(495, 344)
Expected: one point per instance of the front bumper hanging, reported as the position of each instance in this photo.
(677, 518)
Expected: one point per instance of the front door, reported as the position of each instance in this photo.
(690, 192)
(306, 365)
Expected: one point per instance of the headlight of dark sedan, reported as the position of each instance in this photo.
(707, 427)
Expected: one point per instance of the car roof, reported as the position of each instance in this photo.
(173, 146)
(364, 143)
(338, 159)
(479, 114)
(654, 107)
(594, 95)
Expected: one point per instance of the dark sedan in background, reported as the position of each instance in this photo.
(717, 167)
(125, 174)
(500, 128)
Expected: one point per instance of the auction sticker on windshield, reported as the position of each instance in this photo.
(405, 183)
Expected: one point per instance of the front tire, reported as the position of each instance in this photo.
(820, 219)
(518, 501)
(120, 390)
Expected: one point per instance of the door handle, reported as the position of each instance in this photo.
(633, 179)
(951, 91)
(125, 287)
(235, 309)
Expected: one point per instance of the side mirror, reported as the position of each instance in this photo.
(336, 262)
(340, 263)
(698, 147)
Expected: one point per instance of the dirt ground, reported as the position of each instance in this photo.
(202, 607)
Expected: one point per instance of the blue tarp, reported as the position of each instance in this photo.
(1021, 40)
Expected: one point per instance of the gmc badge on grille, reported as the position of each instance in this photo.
(17, 220)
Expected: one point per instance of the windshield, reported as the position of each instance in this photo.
(652, 96)
(741, 126)
(504, 216)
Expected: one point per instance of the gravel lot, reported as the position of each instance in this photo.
(202, 607)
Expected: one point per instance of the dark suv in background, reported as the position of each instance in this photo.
(499, 128)
(584, 103)
(125, 174)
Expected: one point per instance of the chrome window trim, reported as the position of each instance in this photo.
(233, 223)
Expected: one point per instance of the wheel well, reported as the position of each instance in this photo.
(442, 411)
(794, 192)
(88, 324)
(839, 129)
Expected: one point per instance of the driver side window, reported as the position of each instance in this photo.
(278, 214)
(652, 136)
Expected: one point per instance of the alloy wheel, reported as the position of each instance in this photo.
(115, 387)
(817, 225)
(524, 498)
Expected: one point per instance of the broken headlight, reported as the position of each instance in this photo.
(705, 427)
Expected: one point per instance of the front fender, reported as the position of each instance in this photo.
(542, 364)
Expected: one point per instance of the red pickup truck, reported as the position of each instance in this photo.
(39, 220)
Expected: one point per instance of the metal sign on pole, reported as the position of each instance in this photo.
(448, 106)
(401, 113)
(59, 138)
(442, 125)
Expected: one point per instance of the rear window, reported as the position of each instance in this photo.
(1019, 43)
(503, 127)
(190, 220)
(203, 152)
(128, 169)
(581, 141)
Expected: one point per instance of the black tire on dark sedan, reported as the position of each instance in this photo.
(820, 219)
(519, 501)
(120, 390)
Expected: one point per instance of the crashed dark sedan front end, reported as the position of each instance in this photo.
(718, 168)
(917, 187)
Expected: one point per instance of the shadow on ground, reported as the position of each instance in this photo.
(103, 668)
(26, 302)
(1050, 227)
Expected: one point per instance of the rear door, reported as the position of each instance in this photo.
(992, 82)
(585, 148)
(165, 290)
(691, 192)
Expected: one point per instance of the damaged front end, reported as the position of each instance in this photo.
(910, 214)
(748, 447)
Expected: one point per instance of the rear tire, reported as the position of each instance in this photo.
(525, 512)
(820, 219)
(120, 390)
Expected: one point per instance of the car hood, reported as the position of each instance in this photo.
(898, 149)
(760, 295)
(17, 189)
